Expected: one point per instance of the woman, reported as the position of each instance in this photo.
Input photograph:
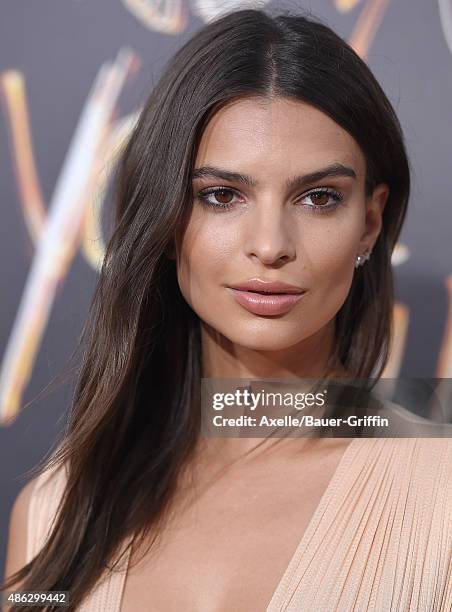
(267, 153)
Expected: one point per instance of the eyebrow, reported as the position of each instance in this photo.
(335, 169)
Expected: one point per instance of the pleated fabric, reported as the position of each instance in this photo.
(380, 539)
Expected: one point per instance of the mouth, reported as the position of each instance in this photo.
(269, 292)
(266, 302)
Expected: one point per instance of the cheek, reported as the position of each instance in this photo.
(332, 267)
(334, 253)
(206, 253)
(210, 253)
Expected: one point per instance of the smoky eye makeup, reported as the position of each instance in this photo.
(316, 200)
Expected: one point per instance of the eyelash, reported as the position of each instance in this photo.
(317, 208)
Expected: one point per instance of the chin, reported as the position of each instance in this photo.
(266, 346)
(259, 340)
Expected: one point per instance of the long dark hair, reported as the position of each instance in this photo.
(135, 420)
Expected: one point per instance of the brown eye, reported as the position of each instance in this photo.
(320, 199)
(223, 196)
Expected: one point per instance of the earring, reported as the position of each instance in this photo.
(361, 259)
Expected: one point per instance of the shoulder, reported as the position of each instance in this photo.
(422, 467)
(43, 506)
(427, 490)
(414, 467)
(404, 423)
(16, 554)
(434, 454)
(413, 476)
(31, 516)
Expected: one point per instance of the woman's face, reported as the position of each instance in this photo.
(266, 227)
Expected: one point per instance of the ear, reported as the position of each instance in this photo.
(375, 204)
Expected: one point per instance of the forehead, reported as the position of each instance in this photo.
(279, 133)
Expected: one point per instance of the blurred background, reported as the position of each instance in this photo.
(73, 76)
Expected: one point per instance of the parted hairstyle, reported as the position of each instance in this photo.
(135, 418)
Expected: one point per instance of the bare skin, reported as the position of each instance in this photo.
(230, 547)
(236, 521)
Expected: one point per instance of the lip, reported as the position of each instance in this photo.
(261, 286)
(266, 304)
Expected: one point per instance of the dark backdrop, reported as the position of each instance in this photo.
(57, 48)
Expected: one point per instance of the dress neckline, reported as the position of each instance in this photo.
(289, 575)
(286, 583)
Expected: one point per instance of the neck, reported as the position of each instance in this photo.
(307, 359)
(223, 359)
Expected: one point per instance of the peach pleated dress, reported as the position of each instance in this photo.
(379, 540)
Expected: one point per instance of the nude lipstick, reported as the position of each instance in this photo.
(267, 297)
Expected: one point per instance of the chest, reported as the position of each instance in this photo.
(229, 549)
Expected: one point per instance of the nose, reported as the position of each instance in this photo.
(270, 234)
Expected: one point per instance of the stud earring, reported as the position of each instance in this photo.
(361, 259)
